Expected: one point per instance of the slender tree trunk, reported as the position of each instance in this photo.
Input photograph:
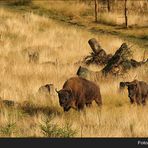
(126, 14)
(108, 5)
(96, 10)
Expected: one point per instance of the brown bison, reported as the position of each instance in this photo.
(137, 91)
(77, 92)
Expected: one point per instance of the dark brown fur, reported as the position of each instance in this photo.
(137, 91)
(79, 92)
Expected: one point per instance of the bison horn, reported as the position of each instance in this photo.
(56, 90)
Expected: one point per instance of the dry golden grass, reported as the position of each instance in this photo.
(63, 46)
(71, 8)
(82, 14)
(118, 19)
(137, 14)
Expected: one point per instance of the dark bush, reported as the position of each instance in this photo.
(20, 2)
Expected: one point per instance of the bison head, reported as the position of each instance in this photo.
(65, 98)
(132, 89)
(123, 84)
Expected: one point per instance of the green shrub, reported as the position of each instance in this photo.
(8, 129)
(53, 130)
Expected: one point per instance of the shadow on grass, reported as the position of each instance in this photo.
(29, 108)
(32, 109)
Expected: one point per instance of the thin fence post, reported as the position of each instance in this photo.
(108, 5)
(96, 11)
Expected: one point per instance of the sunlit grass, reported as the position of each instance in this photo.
(59, 48)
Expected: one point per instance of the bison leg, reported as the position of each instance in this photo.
(137, 101)
(81, 102)
(98, 101)
(131, 100)
(66, 109)
(80, 106)
(143, 101)
(88, 104)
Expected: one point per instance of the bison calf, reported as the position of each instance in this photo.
(137, 91)
(77, 92)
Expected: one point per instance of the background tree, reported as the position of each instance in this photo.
(96, 10)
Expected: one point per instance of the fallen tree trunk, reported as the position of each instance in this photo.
(116, 65)
(122, 54)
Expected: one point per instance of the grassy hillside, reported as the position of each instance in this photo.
(81, 14)
(61, 48)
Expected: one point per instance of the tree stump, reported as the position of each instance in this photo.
(98, 56)
(82, 72)
(88, 74)
(95, 46)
